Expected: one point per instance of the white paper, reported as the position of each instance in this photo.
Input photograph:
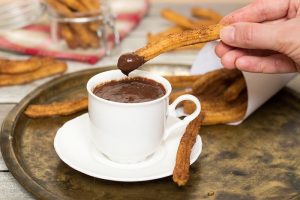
(260, 87)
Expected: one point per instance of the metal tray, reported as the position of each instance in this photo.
(258, 159)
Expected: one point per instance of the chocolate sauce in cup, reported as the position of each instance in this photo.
(130, 90)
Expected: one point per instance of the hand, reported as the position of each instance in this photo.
(262, 37)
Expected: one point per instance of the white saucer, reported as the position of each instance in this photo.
(73, 145)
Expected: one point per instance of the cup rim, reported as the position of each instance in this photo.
(136, 73)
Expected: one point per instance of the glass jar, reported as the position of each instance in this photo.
(85, 29)
(15, 14)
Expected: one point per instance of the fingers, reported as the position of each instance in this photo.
(222, 48)
(259, 11)
(277, 21)
(264, 24)
(276, 63)
(228, 59)
(258, 61)
(250, 36)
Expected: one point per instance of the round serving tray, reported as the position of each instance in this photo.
(258, 159)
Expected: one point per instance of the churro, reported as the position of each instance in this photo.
(231, 112)
(223, 117)
(75, 5)
(182, 81)
(155, 37)
(176, 29)
(47, 69)
(199, 23)
(67, 33)
(131, 61)
(234, 90)
(177, 18)
(94, 26)
(60, 8)
(91, 5)
(181, 169)
(183, 21)
(206, 13)
(20, 66)
(86, 37)
(218, 111)
(175, 95)
(63, 108)
(191, 47)
(204, 82)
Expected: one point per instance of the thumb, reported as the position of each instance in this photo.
(250, 36)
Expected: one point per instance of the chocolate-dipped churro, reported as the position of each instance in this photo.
(131, 61)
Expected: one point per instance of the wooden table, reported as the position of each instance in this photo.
(9, 96)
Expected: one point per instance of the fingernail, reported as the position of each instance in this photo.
(227, 34)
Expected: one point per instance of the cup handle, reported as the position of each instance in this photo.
(187, 119)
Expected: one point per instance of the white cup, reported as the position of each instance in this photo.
(130, 132)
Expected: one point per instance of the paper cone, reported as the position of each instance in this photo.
(260, 87)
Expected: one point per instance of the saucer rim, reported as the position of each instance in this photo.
(118, 179)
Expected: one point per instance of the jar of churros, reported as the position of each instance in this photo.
(85, 24)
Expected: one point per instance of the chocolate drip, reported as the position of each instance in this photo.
(129, 62)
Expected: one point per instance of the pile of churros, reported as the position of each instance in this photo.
(16, 72)
(223, 96)
(222, 93)
(201, 16)
(78, 35)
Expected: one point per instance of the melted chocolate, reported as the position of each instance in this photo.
(129, 62)
(130, 90)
